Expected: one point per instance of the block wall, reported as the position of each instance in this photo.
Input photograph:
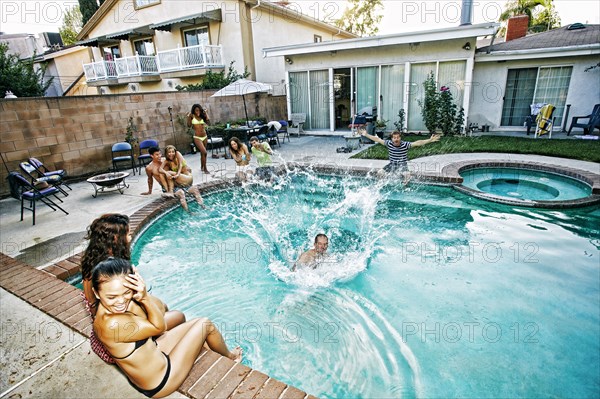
(76, 133)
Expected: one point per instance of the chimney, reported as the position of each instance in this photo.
(516, 27)
(466, 12)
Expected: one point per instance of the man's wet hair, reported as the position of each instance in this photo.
(320, 235)
(152, 150)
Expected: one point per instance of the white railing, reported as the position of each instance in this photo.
(179, 59)
(201, 56)
(136, 66)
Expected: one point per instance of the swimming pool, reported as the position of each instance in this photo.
(428, 293)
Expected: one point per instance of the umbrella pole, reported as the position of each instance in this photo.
(246, 111)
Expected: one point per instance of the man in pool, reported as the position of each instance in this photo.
(153, 172)
(398, 152)
(314, 257)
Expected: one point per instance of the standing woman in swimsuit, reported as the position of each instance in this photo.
(198, 119)
(127, 318)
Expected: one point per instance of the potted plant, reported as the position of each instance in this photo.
(131, 132)
(380, 126)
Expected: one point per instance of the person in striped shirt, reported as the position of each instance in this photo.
(398, 152)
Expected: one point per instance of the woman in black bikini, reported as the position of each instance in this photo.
(127, 317)
(109, 235)
(198, 119)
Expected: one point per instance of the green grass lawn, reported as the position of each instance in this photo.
(585, 150)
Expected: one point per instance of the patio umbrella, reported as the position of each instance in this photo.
(241, 88)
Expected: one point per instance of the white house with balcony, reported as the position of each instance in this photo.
(154, 45)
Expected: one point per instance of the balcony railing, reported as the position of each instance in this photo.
(201, 56)
(179, 59)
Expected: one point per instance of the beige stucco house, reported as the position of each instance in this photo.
(495, 83)
(154, 45)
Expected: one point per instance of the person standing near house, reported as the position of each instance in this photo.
(198, 119)
(262, 152)
(398, 152)
(153, 171)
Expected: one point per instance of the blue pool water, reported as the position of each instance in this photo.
(525, 184)
(427, 293)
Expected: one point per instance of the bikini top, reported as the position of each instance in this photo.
(198, 122)
(138, 344)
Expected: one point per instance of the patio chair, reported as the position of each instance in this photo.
(589, 126)
(296, 124)
(145, 158)
(284, 130)
(262, 133)
(215, 142)
(32, 194)
(272, 129)
(545, 121)
(122, 147)
(53, 180)
(42, 170)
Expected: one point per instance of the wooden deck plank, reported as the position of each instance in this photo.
(211, 378)
(293, 393)
(204, 362)
(250, 386)
(230, 382)
(271, 390)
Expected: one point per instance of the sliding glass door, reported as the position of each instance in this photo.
(320, 102)
(392, 93)
(418, 74)
(299, 102)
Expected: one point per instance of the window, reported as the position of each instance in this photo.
(196, 36)
(318, 39)
(526, 86)
(144, 3)
(111, 53)
(144, 47)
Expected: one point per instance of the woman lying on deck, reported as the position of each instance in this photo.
(127, 317)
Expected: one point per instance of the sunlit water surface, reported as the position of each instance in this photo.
(427, 292)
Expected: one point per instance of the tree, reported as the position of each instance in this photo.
(520, 7)
(87, 8)
(430, 104)
(71, 26)
(545, 19)
(20, 77)
(361, 17)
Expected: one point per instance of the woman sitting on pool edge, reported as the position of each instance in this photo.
(156, 367)
(108, 236)
(241, 156)
(179, 175)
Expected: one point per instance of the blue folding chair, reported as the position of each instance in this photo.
(43, 171)
(54, 180)
(32, 194)
(145, 158)
(122, 147)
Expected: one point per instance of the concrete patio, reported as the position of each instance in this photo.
(41, 357)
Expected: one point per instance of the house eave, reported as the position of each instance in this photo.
(385, 40)
(553, 52)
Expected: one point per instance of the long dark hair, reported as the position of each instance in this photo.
(203, 113)
(108, 269)
(239, 145)
(108, 237)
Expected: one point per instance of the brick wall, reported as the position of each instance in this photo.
(77, 133)
(516, 27)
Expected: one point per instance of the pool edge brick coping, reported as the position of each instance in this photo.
(212, 375)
